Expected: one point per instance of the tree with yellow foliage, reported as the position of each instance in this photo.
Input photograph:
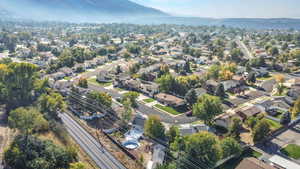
(296, 109)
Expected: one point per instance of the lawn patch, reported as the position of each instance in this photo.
(150, 100)
(167, 109)
(273, 124)
(292, 150)
(67, 78)
(95, 82)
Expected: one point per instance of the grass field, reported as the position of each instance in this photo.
(292, 150)
(150, 100)
(167, 109)
(95, 82)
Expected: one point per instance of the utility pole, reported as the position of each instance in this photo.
(97, 132)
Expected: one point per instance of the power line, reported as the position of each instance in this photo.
(124, 130)
(96, 107)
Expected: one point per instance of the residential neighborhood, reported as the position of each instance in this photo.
(152, 96)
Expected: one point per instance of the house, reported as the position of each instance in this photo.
(57, 76)
(240, 79)
(63, 86)
(283, 163)
(104, 76)
(211, 86)
(158, 156)
(79, 67)
(149, 88)
(225, 119)
(247, 112)
(231, 85)
(294, 92)
(188, 129)
(169, 100)
(262, 72)
(139, 120)
(67, 71)
(253, 163)
(268, 85)
(200, 92)
(293, 82)
(278, 103)
(133, 84)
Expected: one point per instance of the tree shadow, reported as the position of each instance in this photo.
(269, 147)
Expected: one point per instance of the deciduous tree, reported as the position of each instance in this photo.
(207, 108)
(261, 131)
(154, 128)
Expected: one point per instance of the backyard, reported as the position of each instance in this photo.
(167, 109)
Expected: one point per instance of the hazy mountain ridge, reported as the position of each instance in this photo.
(77, 10)
(122, 11)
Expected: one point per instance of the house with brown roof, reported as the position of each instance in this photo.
(253, 163)
(169, 100)
(225, 120)
(248, 112)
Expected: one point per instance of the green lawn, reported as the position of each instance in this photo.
(265, 78)
(167, 109)
(67, 78)
(95, 82)
(150, 100)
(292, 150)
(233, 163)
(198, 122)
(274, 124)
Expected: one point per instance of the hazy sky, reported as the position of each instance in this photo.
(228, 8)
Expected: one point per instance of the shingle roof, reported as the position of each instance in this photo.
(253, 163)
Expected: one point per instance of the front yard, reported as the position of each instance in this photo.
(292, 150)
(94, 81)
(150, 100)
(167, 109)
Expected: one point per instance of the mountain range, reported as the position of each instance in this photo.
(122, 11)
(78, 10)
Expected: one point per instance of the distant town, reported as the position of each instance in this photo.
(117, 96)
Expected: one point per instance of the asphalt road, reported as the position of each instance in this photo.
(99, 154)
(245, 50)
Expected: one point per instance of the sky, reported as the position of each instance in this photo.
(227, 8)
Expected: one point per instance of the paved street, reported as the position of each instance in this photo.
(99, 154)
(245, 50)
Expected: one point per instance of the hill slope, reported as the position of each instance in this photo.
(77, 10)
